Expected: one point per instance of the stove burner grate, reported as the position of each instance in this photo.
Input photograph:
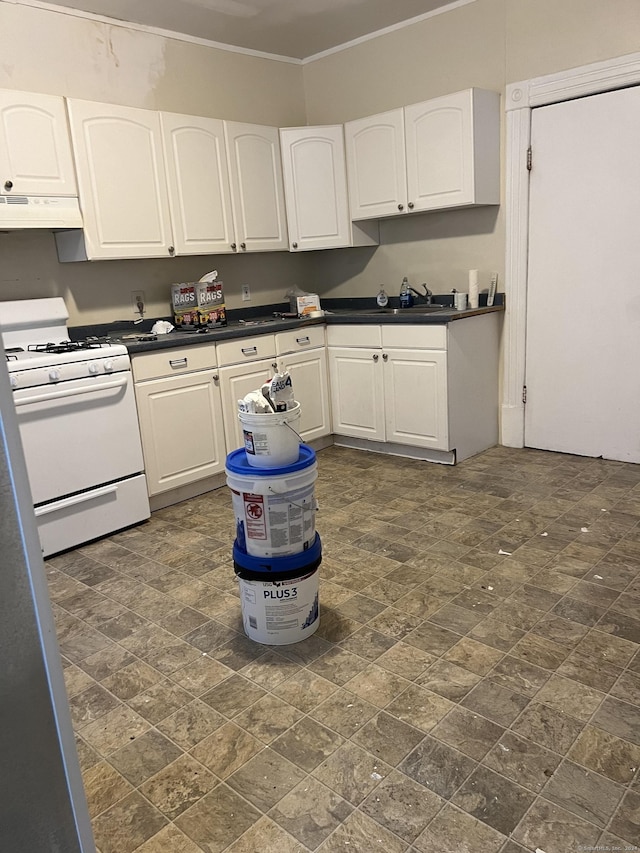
(65, 346)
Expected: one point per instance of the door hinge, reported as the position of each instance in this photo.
(524, 394)
(529, 157)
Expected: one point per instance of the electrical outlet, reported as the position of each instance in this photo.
(246, 293)
(137, 299)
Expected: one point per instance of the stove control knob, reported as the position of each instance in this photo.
(13, 380)
(93, 368)
(54, 374)
(108, 366)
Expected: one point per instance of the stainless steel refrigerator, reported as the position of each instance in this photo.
(42, 803)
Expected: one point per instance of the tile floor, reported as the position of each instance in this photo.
(474, 684)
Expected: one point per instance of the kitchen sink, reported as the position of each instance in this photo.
(416, 309)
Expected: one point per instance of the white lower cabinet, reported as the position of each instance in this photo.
(415, 397)
(429, 387)
(357, 391)
(302, 352)
(245, 365)
(390, 384)
(180, 414)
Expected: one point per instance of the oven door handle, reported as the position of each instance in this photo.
(76, 499)
(72, 392)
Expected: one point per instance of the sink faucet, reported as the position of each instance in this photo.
(427, 293)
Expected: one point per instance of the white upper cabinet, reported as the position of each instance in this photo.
(376, 165)
(121, 182)
(315, 187)
(453, 150)
(198, 181)
(257, 191)
(35, 149)
(440, 153)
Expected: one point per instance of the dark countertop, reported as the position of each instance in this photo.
(355, 311)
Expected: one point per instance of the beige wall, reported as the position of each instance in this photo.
(488, 43)
(45, 51)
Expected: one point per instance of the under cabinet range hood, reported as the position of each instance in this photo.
(21, 211)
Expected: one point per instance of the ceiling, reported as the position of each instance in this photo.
(289, 28)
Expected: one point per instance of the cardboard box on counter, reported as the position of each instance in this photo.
(211, 307)
(198, 304)
(307, 303)
(184, 303)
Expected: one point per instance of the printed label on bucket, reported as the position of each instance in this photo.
(255, 517)
(257, 442)
(280, 612)
(272, 525)
(249, 446)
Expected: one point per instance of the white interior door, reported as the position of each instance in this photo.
(583, 297)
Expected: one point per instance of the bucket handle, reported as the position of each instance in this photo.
(295, 432)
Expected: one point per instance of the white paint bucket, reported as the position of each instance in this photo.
(271, 440)
(279, 607)
(275, 508)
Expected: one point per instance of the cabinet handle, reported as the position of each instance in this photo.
(177, 362)
(385, 357)
(8, 185)
(249, 350)
(401, 207)
(215, 377)
(294, 245)
(411, 205)
(172, 250)
(233, 246)
(302, 341)
(376, 357)
(243, 245)
(274, 364)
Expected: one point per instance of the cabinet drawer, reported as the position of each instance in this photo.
(299, 340)
(172, 362)
(247, 349)
(414, 337)
(354, 336)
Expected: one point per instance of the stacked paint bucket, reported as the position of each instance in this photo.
(277, 552)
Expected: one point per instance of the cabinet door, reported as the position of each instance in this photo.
(453, 150)
(315, 187)
(235, 382)
(356, 392)
(376, 165)
(35, 148)
(311, 388)
(198, 179)
(181, 427)
(415, 393)
(121, 179)
(255, 170)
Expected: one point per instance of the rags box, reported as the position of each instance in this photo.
(211, 308)
(184, 302)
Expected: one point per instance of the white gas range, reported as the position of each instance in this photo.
(78, 424)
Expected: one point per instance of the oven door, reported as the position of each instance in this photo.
(79, 434)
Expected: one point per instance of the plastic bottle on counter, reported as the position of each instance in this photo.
(406, 297)
(382, 299)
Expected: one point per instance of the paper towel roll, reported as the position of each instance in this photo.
(473, 289)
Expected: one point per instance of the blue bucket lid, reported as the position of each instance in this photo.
(237, 464)
(290, 563)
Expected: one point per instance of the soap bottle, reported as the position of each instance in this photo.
(406, 297)
(382, 299)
